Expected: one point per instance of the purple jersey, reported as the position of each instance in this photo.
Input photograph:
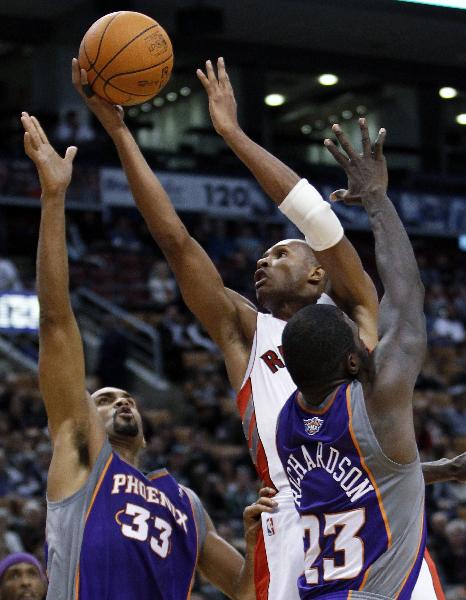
(129, 536)
(362, 514)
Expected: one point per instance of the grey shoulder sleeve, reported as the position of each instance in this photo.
(199, 516)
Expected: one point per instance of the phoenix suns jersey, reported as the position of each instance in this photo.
(362, 515)
(267, 386)
(124, 536)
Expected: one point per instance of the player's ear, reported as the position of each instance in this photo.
(316, 275)
(353, 363)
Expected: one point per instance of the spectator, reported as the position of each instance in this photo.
(21, 577)
(123, 237)
(10, 539)
(453, 557)
(162, 285)
(31, 526)
(71, 130)
(9, 276)
(447, 329)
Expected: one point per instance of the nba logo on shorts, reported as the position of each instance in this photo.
(270, 527)
(313, 425)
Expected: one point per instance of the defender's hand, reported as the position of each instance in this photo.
(367, 172)
(252, 515)
(458, 466)
(222, 103)
(110, 115)
(54, 171)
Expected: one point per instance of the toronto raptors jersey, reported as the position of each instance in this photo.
(362, 515)
(267, 386)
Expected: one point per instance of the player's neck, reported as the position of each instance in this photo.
(319, 395)
(128, 453)
(286, 310)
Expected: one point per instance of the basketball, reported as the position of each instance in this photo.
(128, 57)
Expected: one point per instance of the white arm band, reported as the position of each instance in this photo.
(314, 217)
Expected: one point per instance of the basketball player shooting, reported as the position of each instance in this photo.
(289, 276)
(113, 533)
(346, 439)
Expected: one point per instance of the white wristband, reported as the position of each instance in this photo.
(314, 217)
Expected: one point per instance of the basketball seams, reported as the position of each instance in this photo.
(91, 64)
(139, 70)
(126, 46)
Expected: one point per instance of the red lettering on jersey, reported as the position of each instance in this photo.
(272, 360)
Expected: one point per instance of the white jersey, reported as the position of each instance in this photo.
(267, 386)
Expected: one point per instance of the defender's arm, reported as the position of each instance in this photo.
(399, 355)
(61, 359)
(223, 565)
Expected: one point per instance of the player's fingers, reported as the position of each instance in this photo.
(267, 502)
(40, 132)
(28, 147)
(344, 142)
(75, 72)
(337, 155)
(222, 72)
(85, 85)
(210, 72)
(31, 131)
(379, 142)
(267, 491)
(257, 509)
(76, 76)
(202, 78)
(338, 195)
(71, 153)
(345, 197)
(365, 138)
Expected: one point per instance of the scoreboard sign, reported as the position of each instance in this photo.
(19, 313)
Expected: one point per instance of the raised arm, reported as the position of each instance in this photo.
(61, 359)
(351, 288)
(399, 354)
(229, 319)
(223, 565)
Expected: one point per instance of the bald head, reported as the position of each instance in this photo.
(288, 277)
(301, 246)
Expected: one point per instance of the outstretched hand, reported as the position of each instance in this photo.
(222, 103)
(110, 115)
(252, 514)
(367, 172)
(54, 171)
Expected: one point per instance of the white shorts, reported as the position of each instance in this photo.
(279, 559)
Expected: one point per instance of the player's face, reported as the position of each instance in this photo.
(22, 582)
(119, 412)
(287, 273)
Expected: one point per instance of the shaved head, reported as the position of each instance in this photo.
(302, 244)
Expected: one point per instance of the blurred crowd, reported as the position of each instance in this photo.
(203, 444)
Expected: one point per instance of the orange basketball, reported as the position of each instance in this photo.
(128, 57)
